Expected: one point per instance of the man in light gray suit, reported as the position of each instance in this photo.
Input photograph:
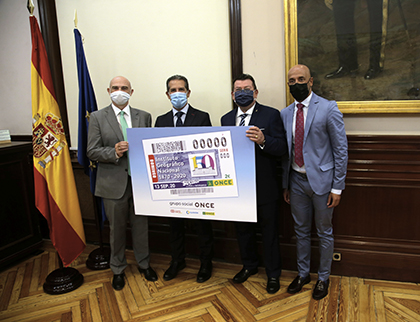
(313, 174)
(107, 144)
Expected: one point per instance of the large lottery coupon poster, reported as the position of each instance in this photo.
(193, 172)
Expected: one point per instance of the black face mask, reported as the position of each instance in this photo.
(299, 91)
(244, 98)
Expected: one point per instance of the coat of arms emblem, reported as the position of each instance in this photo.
(45, 138)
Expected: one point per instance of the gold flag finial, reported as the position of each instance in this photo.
(30, 7)
(75, 18)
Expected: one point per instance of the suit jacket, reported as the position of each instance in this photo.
(324, 145)
(266, 160)
(104, 133)
(194, 117)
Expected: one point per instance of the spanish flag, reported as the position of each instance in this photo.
(55, 188)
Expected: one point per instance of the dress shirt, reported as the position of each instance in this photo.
(127, 114)
(127, 117)
(247, 118)
(183, 110)
(305, 103)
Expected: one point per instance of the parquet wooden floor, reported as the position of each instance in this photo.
(183, 299)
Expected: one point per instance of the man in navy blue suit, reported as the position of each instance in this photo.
(183, 114)
(313, 174)
(267, 133)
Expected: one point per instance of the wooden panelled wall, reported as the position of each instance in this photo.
(376, 226)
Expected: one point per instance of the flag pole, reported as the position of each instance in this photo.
(99, 258)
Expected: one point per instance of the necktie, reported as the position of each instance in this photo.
(299, 132)
(179, 120)
(243, 117)
(124, 127)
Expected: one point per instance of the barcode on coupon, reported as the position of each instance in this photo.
(173, 146)
(191, 191)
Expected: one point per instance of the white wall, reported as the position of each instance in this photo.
(145, 41)
(15, 67)
(148, 41)
(264, 56)
(263, 49)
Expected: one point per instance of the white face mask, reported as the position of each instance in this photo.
(120, 97)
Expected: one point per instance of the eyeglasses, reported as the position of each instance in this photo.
(245, 91)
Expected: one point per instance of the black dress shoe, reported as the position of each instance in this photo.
(297, 284)
(205, 272)
(173, 270)
(273, 285)
(118, 282)
(243, 275)
(341, 72)
(373, 72)
(321, 289)
(149, 274)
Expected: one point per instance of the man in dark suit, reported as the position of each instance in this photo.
(346, 38)
(268, 134)
(183, 114)
(313, 174)
(107, 144)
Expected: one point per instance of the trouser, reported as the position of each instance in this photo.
(268, 219)
(305, 205)
(118, 212)
(346, 36)
(204, 234)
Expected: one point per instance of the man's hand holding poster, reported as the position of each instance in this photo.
(194, 172)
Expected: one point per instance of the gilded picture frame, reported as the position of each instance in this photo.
(411, 104)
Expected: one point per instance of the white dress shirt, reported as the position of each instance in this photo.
(183, 110)
(247, 118)
(127, 114)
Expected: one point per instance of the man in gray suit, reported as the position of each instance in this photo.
(107, 144)
(313, 174)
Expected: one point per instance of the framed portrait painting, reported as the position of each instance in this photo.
(364, 54)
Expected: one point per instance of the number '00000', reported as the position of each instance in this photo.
(209, 143)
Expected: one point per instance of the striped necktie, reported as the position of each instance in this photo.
(243, 117)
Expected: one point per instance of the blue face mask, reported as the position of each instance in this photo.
(244, 98)
(179, 99)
